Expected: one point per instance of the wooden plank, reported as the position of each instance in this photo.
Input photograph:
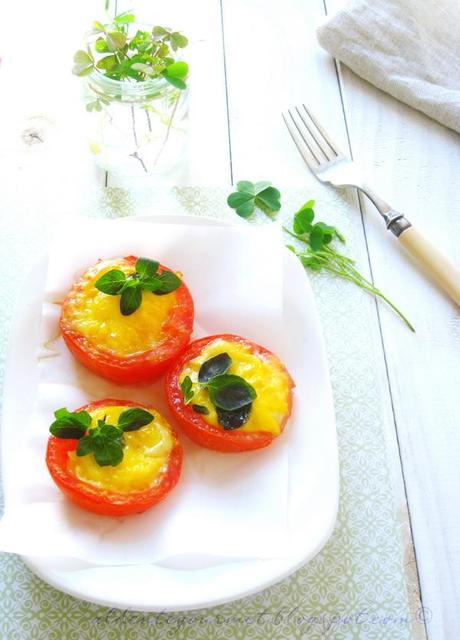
(207, 156)
(280, 67)
(414, 164)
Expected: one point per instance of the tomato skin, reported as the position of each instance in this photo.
(140, 367)
(101, 501)
(194, 426)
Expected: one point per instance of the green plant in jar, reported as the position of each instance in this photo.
(136, 81)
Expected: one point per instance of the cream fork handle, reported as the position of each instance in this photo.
(433, 261)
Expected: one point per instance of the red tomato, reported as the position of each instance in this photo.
(101, 501)
(195, 426)
(137, 367)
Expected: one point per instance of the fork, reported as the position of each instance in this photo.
(329, 164)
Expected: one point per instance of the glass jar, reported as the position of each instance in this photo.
(135, 128)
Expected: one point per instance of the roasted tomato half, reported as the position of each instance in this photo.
(229, 394)
(125, 348)
(150, 468)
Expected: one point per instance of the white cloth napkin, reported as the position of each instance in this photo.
(408, 48)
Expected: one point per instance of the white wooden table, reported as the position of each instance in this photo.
(251, 59)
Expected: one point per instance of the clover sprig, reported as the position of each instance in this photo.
(120, 55)
(249, 195)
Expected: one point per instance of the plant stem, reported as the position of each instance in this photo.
(168, 130)
(343, 267)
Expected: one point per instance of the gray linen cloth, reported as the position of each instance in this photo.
(408, 48)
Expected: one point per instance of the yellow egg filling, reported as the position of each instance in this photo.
(145, 455)
(264, 373)
(97, 315)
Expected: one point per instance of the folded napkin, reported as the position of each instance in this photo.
(408, 48)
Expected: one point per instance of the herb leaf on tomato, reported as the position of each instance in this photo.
(200, 408)
(129, 287)
(169, 282)
(215, 366)
(70, 425)
(131, 298)
(111, 282)
(146, 268)
(230, 392)
(233, 419)
(186, 388)
(106, 443)
(133, 419)
(106, 440)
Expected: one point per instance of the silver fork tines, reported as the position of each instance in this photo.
(327, 162)
(314, 144)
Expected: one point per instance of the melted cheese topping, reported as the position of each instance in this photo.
(97, 315)
(266, 374)
(145, 455)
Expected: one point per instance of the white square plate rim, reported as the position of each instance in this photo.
(202, 587)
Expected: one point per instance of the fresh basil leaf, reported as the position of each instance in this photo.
(111, 282)
(169, 283)
(199, 408)
(67, 431)
(146, 268)
(62, 413)
(230, 392)
(233, 419)
(133, 419)
(110, 431)
(131, 298)
(107, 452)
(84, 446)
(82, 417)
(186, 388)
(152, 284)
(213, 367)
(70, 425)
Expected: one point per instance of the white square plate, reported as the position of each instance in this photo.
(173, 585)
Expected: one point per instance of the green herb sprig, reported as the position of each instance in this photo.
(105, 441)
(130, 287)
(118, 54)
(250, 195)
(317, 253)
(231, 395)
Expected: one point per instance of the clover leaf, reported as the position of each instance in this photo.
(250, 195)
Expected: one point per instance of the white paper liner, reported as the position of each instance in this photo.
(231, 506)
